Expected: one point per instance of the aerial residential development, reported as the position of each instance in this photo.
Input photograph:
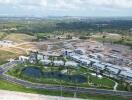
(65, 50)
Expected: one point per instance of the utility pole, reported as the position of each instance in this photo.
(61, 88)
(75, 93)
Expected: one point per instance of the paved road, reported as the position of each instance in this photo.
(55, 87)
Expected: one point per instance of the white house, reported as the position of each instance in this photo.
(45, 62)
(85, 62)
(40, 56)
(71, 63)
(6, 43)
(23, 58)
(58, 63)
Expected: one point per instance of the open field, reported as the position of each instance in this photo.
(19, 38)
(6, 55)
(2, 35)
(114, 38)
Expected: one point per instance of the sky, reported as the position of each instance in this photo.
(40, 8)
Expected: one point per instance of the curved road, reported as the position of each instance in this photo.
(4, 68)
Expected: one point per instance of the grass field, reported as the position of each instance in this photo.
(91, 80)
(4, 85)
(2, 35)
(5, 55)
(19, 37)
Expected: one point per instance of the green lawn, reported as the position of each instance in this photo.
(5, 55)
(94, 81)
(4, 85)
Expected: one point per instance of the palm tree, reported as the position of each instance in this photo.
(52, 63)
(65, 60)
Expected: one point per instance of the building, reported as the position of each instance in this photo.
(58, 63)
(126, 75)
(67, 52)
(94, 60)
(85, 62)
(75, 58)
(45, 62)
(71, 63)
(40, 56)
(98, 66)
(23, 58)
(112, 70)
(6, 43)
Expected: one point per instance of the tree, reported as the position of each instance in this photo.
(52, 63)
(104, 37)
(69, 37)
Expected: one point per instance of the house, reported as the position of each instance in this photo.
(40, 56)
(6, 43)
(66, 52)
(45, 62)
(58, 63)
(112, 71)
(85, 62)
(71, 63)
(83, 56)
(126, 74)
(75, 58)
(94, 60)
(23, 58)
(98, 66)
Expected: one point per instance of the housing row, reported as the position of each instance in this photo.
(107, 69)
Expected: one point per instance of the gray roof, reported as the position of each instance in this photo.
(99, 65)
(126, 73)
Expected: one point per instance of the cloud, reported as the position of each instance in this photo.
(70, 6)
(122, 4)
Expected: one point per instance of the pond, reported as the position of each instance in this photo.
(36, 72)
(70, 78)
(32, 71)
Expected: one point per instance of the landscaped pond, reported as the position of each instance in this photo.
(71, 78)
(36, 72)
(32, 71)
